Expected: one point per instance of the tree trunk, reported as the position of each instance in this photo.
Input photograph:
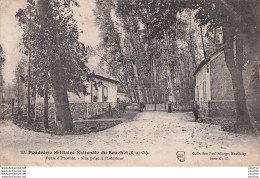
(63, 114)
(127, 87)
(169, 70)
(233, 51)
(44, 11)
(139, 91)
(18, 98)
(29, 120)
(46, 97)
(154, 81)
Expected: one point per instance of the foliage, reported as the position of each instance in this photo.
(2, 61)
(51, 31)
(20, 81)
(2, 57)
(241, 28)
(57, 57)
(133, 34)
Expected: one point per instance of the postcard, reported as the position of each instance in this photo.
(129, 83)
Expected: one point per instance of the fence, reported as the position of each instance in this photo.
(156, 107)
(79, 111)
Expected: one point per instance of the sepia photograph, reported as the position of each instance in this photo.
(129, 83)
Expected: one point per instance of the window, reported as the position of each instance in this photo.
(220, 37)
(84, 88)
(94, 93)
(105, 93)
(204, 91)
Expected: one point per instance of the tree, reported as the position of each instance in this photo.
(113, 46)
(2, 57)
(2, 61)
(135, 33)
(132, 41)
(241, 30)
(20, 81)
(58, 58)
(157, 21)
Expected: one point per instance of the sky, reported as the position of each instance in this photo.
(11, 33)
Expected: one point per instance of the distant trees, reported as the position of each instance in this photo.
(146, 53)
(2, 57)
(20, 82)
(156, 42)
(111, 43)
(2, 61)
(56, 57)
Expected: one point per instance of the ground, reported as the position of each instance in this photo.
(158, 134)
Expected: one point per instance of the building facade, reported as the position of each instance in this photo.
(99, 94)
(101, 87)
(214, 89)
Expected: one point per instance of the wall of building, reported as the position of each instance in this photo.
(203, 76)
(221, 83)
(221, 102)
(73, 98)
(221, 108)
(217, 108)
(79, 111)
(112, 92)
(96, 109)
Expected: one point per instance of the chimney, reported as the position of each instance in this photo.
(218, 38)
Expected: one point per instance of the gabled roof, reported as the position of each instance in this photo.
(205, 61)
(202, 63)
(99, 73)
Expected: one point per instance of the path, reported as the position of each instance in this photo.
(159, 133)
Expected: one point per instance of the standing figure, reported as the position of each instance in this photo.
(142, 106)
(196, 111)
(124, 106)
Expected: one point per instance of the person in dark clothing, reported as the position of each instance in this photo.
(124, 106)
(196, 111)
(169, 108)
(142, 106)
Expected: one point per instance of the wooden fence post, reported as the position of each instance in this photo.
(12, 107)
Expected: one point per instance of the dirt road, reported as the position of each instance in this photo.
(159, 134)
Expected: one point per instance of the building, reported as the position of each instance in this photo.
(213, 89)
(101, 87)
(100, 93)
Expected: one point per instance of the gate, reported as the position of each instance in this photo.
(156, 107)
